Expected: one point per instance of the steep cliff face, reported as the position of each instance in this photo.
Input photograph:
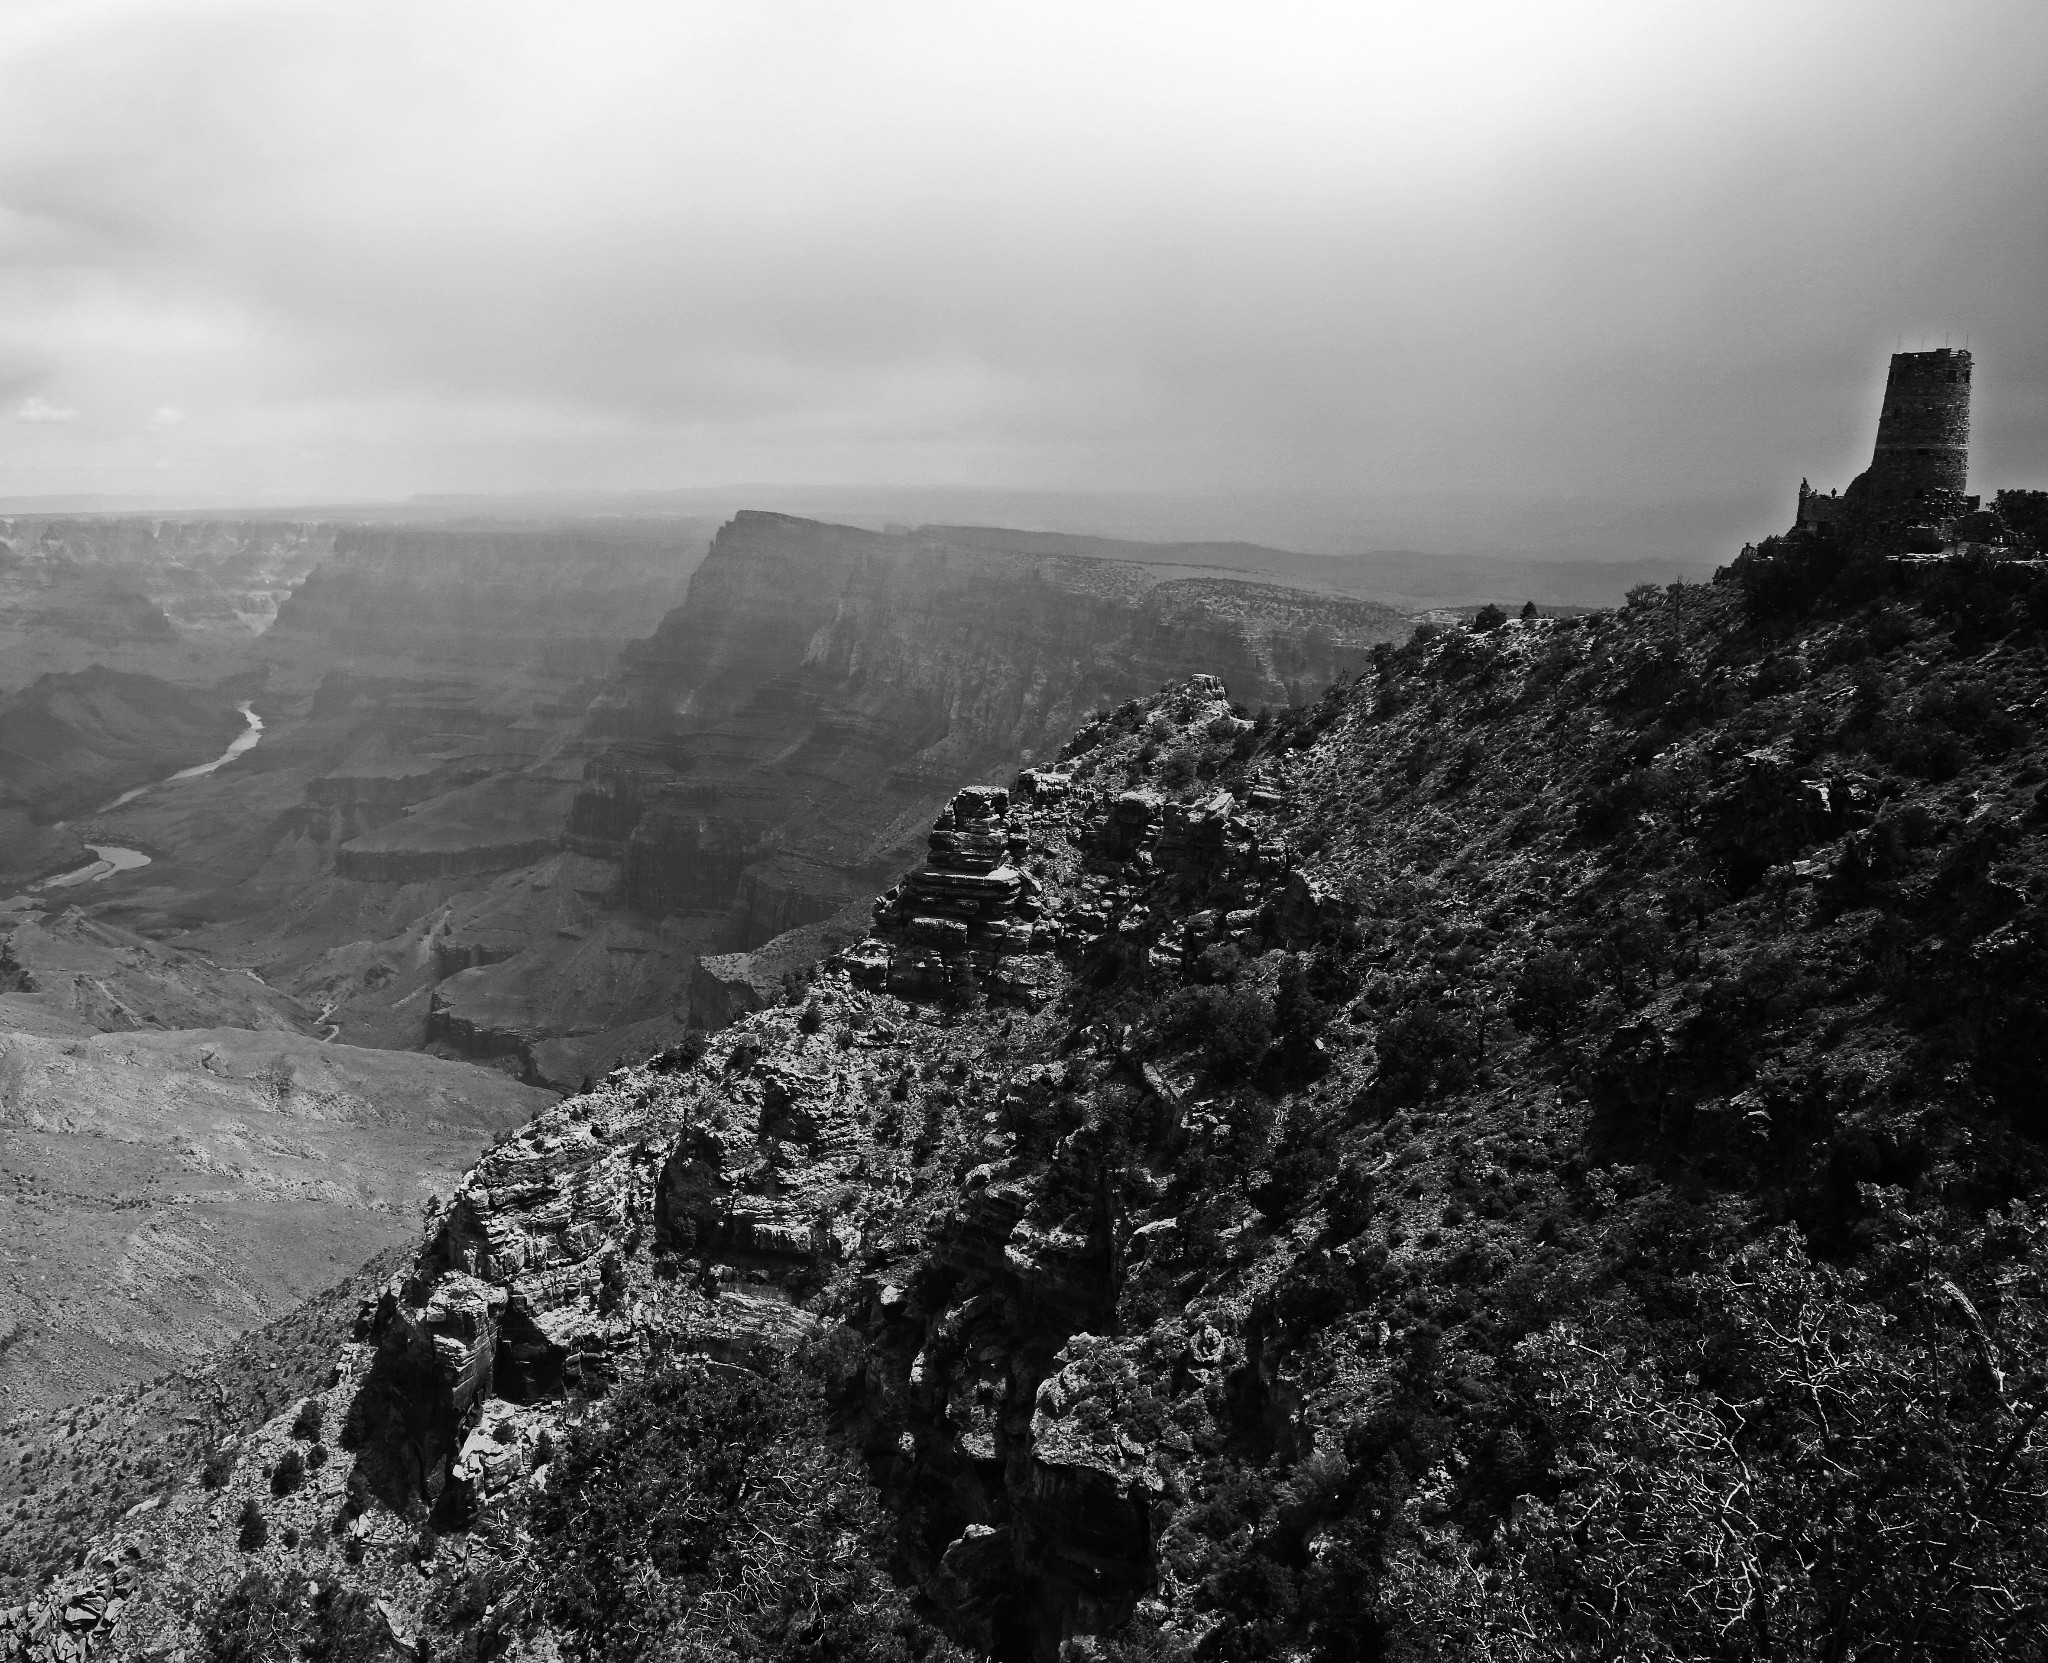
(775, 746)
(1537, 1154)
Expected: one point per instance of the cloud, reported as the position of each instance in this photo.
(1583, 250)
(164, 416)
(42, 410)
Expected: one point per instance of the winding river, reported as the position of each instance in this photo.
(112, 856)
(244, 741)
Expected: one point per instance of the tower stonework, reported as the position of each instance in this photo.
(1923, 433)
(1911, 501)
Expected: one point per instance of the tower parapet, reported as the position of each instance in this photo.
(1923, 434)
(1910, 500)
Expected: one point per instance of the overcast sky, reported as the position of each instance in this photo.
(1597, 252)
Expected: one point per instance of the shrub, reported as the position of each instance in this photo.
(712, 1497)
(1223, 961)
(1232, 1025)
(1300, 1016)
(289, 1474)
(684, 1055)
(1630, 955)
(311, 1417)
(254, 1528)
(260, 1620)
(1843, 1481)
(1299, 1167)
(1421, 1052)
(1786, 576)
(219, 1464)
(1547, 993)
(812, 1018)
(1314, 1294)
(1349, 1206)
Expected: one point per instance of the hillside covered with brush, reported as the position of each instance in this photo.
(1537, 1154)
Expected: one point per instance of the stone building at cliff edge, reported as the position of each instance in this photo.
(1912, 498)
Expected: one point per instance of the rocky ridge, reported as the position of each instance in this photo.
(1387, 1180)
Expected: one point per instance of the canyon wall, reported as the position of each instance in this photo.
(780, 741)
(751, 771)
(533, 604)
(475, 823)
(402, 821)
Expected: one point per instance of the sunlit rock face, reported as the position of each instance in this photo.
(783, 738)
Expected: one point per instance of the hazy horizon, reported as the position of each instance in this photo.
(1690, 536)
(1472, 278)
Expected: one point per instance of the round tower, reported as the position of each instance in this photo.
(1923, 431)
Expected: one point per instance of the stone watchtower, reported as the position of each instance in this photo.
(1923, 436)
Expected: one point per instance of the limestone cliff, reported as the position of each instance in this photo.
(523, 606)
(772, 750)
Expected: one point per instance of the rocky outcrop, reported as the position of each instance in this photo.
(451, 957)
(78, 1622)
(482, 1033)
(704, 1205)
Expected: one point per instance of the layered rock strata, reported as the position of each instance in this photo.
(823, 689)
